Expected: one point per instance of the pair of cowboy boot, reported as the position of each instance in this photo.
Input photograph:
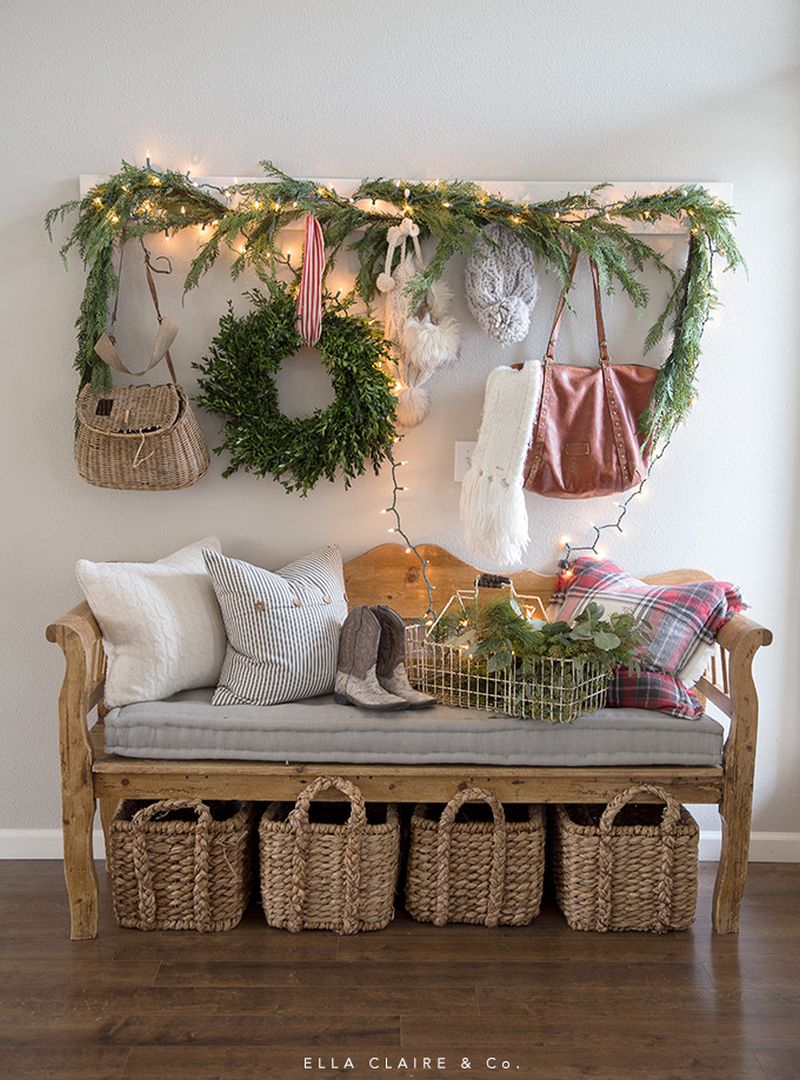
(371, 670)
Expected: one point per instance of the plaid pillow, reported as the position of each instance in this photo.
(653, 690)
(684, 619)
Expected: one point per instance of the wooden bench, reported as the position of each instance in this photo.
(388, 574)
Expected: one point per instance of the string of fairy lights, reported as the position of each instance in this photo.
(570, 550)
(397, 529)
(593, 548)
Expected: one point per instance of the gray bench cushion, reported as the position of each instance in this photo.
(188, 726)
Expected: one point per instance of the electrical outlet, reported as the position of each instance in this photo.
(463, 460)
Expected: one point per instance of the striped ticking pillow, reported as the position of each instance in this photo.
(283, 627)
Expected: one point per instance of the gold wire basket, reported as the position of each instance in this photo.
(556, 691)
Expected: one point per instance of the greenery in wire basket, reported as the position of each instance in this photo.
(534, 668)
(501, 636)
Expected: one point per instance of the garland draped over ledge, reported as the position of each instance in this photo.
(249, 217)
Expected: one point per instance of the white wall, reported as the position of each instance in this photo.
(622, 90)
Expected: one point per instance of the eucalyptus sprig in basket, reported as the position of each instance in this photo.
(497, 658)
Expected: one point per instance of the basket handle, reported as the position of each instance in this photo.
(668, 827)
(497, 873)
(141, 860)
(106, 345)
(356, 824)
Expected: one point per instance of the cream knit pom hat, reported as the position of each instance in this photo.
(501, 284)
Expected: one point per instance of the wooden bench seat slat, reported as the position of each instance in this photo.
(145, 778)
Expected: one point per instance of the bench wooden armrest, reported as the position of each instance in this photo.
(79, 638)
(741, 630)
(729, 684)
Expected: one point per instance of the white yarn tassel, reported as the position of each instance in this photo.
(422, 340)
(492, 498)
(427, 345)
(413, 404)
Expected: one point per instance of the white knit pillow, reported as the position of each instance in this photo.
(161, 624)
(283, 627)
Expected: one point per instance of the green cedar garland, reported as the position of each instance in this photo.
(238, 383)
(134, 202)
(452, 212)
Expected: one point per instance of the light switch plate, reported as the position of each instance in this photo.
(463, 458)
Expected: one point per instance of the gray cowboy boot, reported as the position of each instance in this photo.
(391, 668)
(356, 681)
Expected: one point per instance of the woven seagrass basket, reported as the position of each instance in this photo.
(475, 871)
(139, 438)
(626, 866)
(181, 864)
(332, 872)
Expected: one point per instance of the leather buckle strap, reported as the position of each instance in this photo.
(602, 344)
(106, 346)
(551, 344)
(611, 400)
(544, 408)
(616, 425)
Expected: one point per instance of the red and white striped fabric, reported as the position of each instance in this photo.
(309, 300)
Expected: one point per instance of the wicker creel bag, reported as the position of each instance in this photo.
(475, 871)
(626, 867)
(181, 864)
(329, 875)
(140, 438)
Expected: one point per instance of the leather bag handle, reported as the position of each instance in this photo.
(602, 344)
(547, 381)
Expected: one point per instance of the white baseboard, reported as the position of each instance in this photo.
(41, 844)
(46, 844)
(764, 846)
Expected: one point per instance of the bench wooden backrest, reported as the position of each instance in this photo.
(388, 574)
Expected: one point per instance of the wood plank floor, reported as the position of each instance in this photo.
(254, 1003)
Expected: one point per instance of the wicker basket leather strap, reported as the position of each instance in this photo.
(668, 827)
(106, 347)
(356, 824)
(497, 873)
(547, 377)
(141, 862)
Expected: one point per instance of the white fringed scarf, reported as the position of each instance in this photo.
(492, 499)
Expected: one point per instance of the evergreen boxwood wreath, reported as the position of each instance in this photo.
(238, 383)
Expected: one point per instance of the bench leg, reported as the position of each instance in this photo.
(78, 822)
(107, 808)
(735, 812)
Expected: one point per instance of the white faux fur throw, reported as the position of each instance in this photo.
(492, 500)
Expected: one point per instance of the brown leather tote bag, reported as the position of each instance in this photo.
(586, 439)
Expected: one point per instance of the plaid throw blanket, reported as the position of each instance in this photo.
(684, 619)
(653, 690)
